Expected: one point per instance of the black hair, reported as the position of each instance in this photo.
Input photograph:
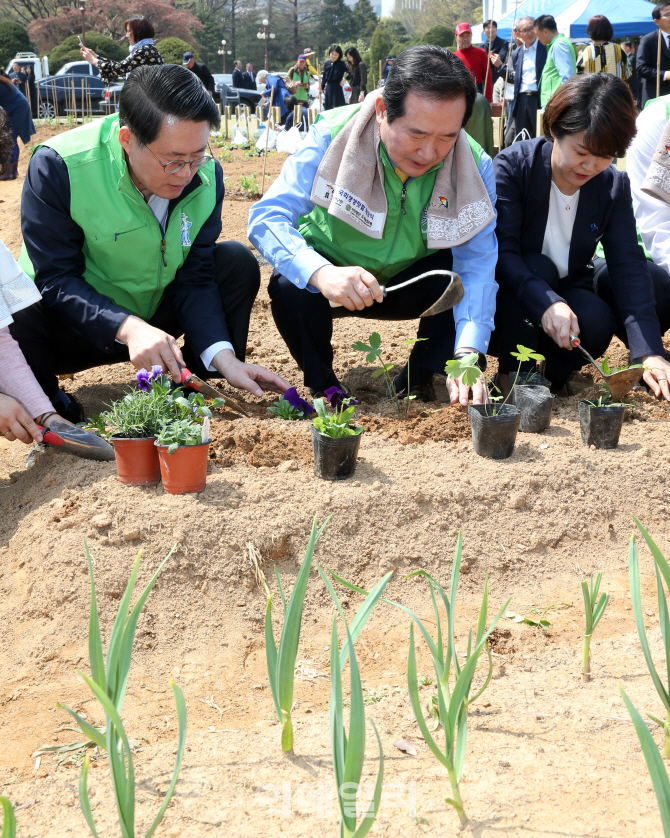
(152, 93)
(488, 23)
(599, 28)
(140, 27)
(547, 22)
(429, 71)
(335, 48)
(6, 141)
(599, 104)
(290, 102)
(656, 11)
(355, 54)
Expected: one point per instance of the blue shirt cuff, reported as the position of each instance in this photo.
(304, 264)
(474, 335)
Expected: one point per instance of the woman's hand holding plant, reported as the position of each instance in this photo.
(656, 375)
(559, 321)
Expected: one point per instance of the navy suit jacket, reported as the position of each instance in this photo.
(238, 78)
(604, 214)
(517, 62)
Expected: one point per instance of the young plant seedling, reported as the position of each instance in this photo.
(291, 406)
(108, 684)
(610, 370)
(594, 608)
(8, 819)
(470, 372)
(407, 344)
(337, 424)
(374, 354)
(662, 569)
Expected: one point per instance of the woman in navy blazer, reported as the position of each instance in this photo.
(558, 198)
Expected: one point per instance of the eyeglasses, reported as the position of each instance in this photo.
(526, 31)
(174, 166)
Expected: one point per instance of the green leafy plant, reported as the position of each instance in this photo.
(226, 156)
(529, 621)
(610, 370)
(657, 772)
(179, 433)
(108, 683)
(337, 424)
(249, 184)
(141, 412)
(373, 348)
(8, 819)
(594, 608)
(466, 367)
(662, 570)
(605, 400)
(283, 409)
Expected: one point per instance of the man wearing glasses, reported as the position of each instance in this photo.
(527, 64)
(647, 55)
(120, 221)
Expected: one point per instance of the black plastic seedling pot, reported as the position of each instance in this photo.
(601, 426)
(334, 459)
(534, 402)
(494, 436)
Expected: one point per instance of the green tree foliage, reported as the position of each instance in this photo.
(209, 40)
(335, 24)
(13, 39)
(68, 50)
(365, 19)
(442, 36)
(380, 47)
(173, 49)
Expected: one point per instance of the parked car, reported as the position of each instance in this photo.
(73, 90)
(223, 92)
(40, 66)
(244, 96)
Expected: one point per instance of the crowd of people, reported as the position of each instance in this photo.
(121, 222)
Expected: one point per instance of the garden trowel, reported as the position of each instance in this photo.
(450, 297)
(64, 437)
(619, 383)
(209, 392)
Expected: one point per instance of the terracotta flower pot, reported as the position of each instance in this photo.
(185, 471)
(137, 461)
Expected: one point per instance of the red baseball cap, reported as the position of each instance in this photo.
(463, 27)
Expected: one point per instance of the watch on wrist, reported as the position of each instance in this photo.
(481, 358)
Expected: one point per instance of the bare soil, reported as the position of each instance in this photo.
(547, 755)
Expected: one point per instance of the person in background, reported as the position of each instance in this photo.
(250, 78)
(528, 62)
(18, 77)
(357, 76)
(20, 123)
(31, 90)
(647, 55)
(386, 69)
(475, 59)
(377, 195)
(308, 53)
(602, 56)
(291, 102)
(201, 71)
(561, 59)
(497, 48)
(332, 79)
(140, 33)
(480, 125)
(298, 76)
(633, 80)
(271, 81)
(558, 197)
(238, 78)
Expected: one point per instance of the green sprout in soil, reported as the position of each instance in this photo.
(466, 367)
(407, 344)
(249, 184)
(605, 400)
(611, 370)
(108, 683)
(594, 608)
(373, 348)
(9, 819)
(662, 570)
(226, 156)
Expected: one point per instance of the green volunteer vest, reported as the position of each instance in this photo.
(551, 79)
(301, 94)
(404, 239)
(126, 256)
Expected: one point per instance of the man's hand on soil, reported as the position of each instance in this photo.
(150, 347)
(656, 374)
(251, 377)
(351, 287)
(15, 423)
(460, 393)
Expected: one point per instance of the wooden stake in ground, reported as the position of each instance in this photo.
(509, 59)
(488, 67)
(318, 75)
(267, 137)
(658, 65)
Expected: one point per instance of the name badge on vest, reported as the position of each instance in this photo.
(185, 227)
(348, 202)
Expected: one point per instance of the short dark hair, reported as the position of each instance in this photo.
(599, 28)
(429, 71)
(488, 23)
(658, 8)
(140, 27)
(547, 22)
(335, 48)
(6, 141)
(152, 93)
(599, 104)
(290, 102)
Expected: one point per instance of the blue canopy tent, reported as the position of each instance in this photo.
(629, 19)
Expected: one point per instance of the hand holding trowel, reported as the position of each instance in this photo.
(209, 392)
(451, 296)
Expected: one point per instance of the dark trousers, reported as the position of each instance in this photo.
(305, 320)
(591, 298)
(52, 347)
(525, 116)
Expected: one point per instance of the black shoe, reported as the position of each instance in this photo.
(68, 407)
(321, 394)
(421, 392)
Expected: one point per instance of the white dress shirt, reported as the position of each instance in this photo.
(558, 232)
(528, 69)
(652, 214)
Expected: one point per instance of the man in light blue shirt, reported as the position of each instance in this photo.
(527, 65)
(426, 100)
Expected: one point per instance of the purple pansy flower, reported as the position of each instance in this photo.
(292, 397)
(145, 377)
(336, 396)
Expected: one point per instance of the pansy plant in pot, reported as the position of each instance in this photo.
(495, 423)
(291, 406)
(334, 441)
